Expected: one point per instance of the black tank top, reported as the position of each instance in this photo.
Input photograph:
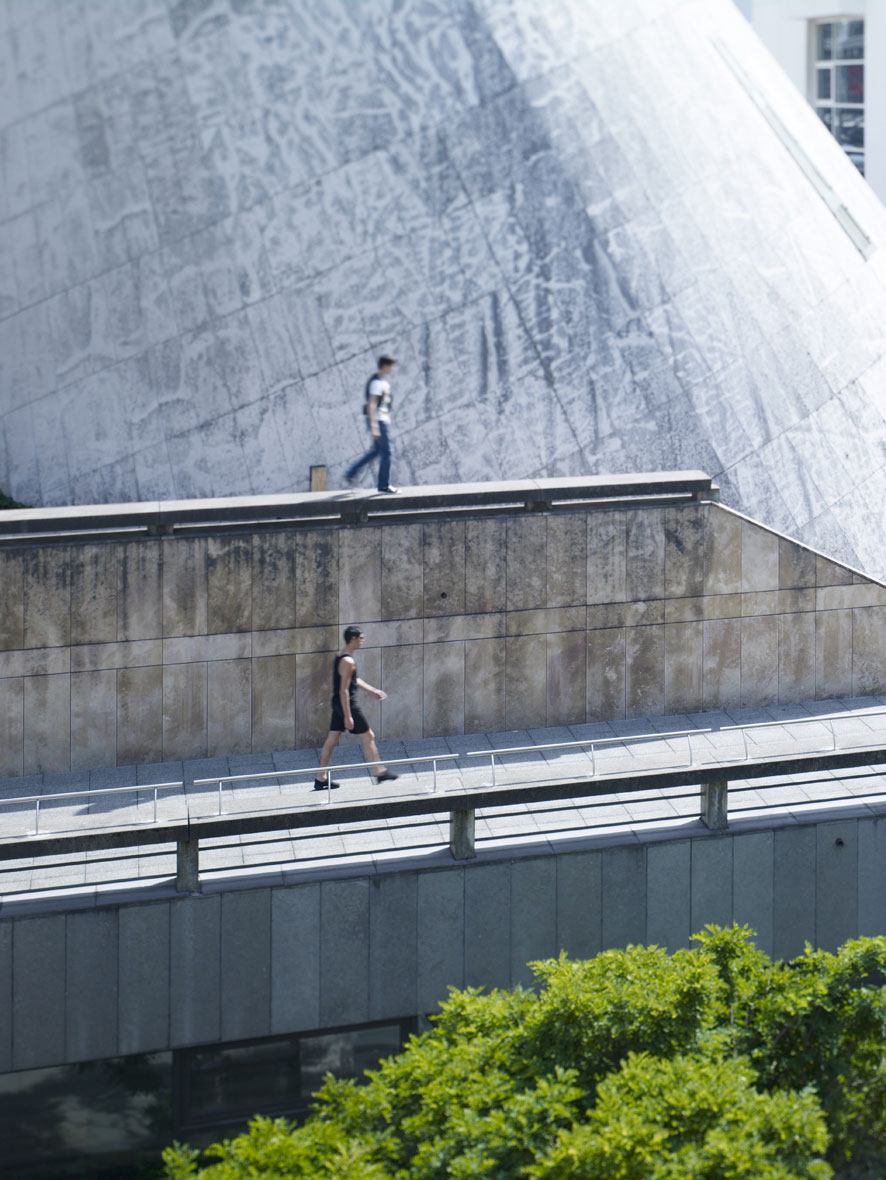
(336, 683)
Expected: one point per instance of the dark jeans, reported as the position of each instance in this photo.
(381, 447)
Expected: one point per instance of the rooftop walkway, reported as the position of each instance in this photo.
(78, 879)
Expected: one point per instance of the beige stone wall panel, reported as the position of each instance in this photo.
(759, 558)
(465, 627)
(47, 724)
(796, 658)
(228, 584)
(273, 581)
(567, 560)
(12, 726)
(606, 674)
(645, 671)
(12, 613)
(229, 712)
(95, 657)
(444, 689)
(93, 719)
(313, 691)
(486, 563)
(722, 663)
(360, 564)
(566, 678)
(778, 602)
(606, 556)
(402, 572)
(139, 715)
(868, 650)
(140, 590)
(525, 688)
(94, 594)
(443, 558)
(184, 711)
(722, 569)
(684, 666)
(644, 554)
(644, 614)
(833, 654)
(829, 573)
(796, 565)
(546, 621)
(684, 550)
(46, 596)
(184, 586)
(606, 616)
(402, 678)
(196, 649)
(485, 669)
(845, 597)
(527, 563)
(273, 703)
(295, 641)
(316, 578)
(759, 671)
(41, 661)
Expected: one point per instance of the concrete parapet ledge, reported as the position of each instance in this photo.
(165, 517)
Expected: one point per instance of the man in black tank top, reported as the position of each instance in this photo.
(347, 714)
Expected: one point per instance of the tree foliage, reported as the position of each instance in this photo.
(636, 1065)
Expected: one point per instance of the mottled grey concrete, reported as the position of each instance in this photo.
(570, 224)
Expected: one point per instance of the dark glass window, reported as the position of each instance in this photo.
(229, 1084)
(114, 1109)
(838, 83)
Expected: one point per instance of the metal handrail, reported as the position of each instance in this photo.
(237, 778)
(689, 734)
(37, 800)
(828, 718)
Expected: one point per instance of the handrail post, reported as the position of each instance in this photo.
(220, 782)
(434, 764)
(187, 866)
(461, 834)
(715, 804)
(37, 818)
(492, 764)
(593, 761)
(155, 804)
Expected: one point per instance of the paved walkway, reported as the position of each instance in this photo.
(90, 878)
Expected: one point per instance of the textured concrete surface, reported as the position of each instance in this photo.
(590, 232)
(121, 652)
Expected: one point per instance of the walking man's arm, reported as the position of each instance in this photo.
(376, 692)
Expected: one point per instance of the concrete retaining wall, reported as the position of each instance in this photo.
(253, 962)
(114, 653)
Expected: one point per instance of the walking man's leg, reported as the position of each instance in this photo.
(370, 753)
(355, 468)
(329, 745)
(383, 442)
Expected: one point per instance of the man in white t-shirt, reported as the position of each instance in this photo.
(378, 417)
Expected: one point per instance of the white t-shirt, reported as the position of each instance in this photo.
(381, 389)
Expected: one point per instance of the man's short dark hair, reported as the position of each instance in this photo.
(385, 360)
(352, 633)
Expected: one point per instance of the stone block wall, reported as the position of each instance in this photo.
(159, 649)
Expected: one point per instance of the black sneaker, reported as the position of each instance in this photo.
(321, 786)
(387, 777)
(351, 480)
(388, 491)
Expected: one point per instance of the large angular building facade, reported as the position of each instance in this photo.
(598, 238)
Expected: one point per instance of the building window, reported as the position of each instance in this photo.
(838, 83)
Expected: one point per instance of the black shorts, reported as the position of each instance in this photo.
(337, 724)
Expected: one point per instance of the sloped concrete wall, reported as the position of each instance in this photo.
(590, 231)
(159, 649)
(244, 963)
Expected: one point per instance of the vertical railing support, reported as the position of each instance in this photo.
(715, 804)
(461, 834)
(187, 866)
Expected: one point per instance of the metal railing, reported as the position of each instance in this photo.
(278, 774)
(39, 800)
(828, 718)
(689, 734)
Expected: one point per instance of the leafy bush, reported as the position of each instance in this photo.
(637, 1065)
